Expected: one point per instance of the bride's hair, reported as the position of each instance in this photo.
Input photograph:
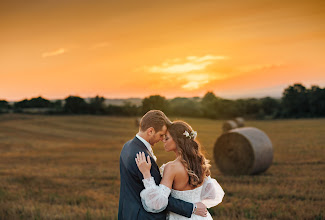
(191, 153)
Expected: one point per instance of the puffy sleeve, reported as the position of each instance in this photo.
(154, 198)
(212, 193)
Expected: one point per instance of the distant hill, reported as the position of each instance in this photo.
(118, 102)
(135, 101)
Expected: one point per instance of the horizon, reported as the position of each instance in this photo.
(126, 98)
(121, 49)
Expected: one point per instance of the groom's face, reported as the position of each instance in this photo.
(158, 136)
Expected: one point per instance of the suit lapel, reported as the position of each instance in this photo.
(145, 149)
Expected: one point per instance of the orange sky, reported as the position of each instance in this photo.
(120, 49)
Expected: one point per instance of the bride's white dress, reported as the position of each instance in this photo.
(155, 198)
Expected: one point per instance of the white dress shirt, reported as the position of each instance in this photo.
(146, 143)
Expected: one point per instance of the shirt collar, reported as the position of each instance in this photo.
(146, 143)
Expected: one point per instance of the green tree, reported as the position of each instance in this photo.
(75, 105)
(97, 105)
(186, 107)
(22, 104)
(38, 102)
(208, 105)
(4, 106)
(114, 110)
(295, 101)
(316, 98)
(226, 109)
(270, 106)
(250, 108)
(130, 109)
(155, 102)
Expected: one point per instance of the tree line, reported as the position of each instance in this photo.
(297, 101)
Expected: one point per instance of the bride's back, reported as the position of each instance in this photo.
(181, 176)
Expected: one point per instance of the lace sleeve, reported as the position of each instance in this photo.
(154, 198)
(212, 193)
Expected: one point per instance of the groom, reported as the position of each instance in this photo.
(153, 127)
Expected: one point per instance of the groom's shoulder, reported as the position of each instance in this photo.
(132, 145)
(132, 142)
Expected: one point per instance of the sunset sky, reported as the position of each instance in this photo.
(135, 48)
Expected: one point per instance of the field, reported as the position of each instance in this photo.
(67, 167)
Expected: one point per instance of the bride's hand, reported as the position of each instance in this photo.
(143, 165)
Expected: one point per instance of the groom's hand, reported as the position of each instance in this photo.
(201, 209)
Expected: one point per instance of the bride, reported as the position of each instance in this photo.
(187, 177)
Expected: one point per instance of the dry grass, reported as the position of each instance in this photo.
(66, 167)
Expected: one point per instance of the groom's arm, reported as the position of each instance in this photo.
(177, 206)
(180, 207)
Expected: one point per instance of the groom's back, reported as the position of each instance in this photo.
(130, 206)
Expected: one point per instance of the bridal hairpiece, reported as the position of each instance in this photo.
(191, 135)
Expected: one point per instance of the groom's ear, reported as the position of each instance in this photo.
(150, 131)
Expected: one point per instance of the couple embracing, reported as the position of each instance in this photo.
(180, 189)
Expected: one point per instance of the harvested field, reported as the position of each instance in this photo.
(66, 167)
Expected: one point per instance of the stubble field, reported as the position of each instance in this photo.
(67, 167)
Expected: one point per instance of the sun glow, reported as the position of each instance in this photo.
(188, 70)
(195, 81)
(115, 51)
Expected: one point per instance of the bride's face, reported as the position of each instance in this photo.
(169, 143)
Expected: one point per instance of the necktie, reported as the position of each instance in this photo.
(152, 154)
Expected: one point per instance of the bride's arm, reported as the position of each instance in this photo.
(212, 193)
(154, 198)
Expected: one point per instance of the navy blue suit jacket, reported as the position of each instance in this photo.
(130, 206)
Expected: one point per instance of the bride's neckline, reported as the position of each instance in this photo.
(187, 190)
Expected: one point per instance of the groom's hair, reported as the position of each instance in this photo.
(154, 118)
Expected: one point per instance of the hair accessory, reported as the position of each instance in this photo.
(191, 135)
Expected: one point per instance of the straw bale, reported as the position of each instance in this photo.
(240, 122)
(243, 151)
(228, 125)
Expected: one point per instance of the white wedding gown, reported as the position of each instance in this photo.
(155, 198)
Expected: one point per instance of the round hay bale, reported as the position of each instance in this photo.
(240, 122)
(137, 122)
(228, 125)
(243, 151)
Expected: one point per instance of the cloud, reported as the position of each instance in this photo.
(54, 53)
(100, 45)
(190, 72)
(195, 81)
(177, 68)
(194, 72)
(259, 67)
(187, 65)
(206, 58)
